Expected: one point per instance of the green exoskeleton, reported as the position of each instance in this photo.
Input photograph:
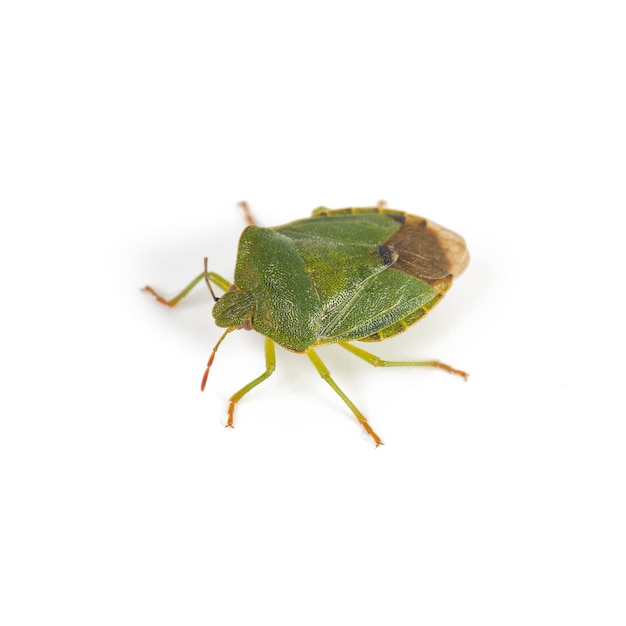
(339, 276)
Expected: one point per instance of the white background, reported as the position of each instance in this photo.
(129, 131)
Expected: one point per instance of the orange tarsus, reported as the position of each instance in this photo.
(231, 415)
(159, 298)
(447, 368)
(372, 434)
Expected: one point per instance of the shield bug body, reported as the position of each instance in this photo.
(339, 276)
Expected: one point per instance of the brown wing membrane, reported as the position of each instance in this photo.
(428, 251)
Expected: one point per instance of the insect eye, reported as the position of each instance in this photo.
(247, 324)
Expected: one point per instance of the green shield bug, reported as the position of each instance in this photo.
(344, 275)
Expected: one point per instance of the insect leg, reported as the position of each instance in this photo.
(246, 209)
(222, 283)
(270, 366)
(325, 374)
(376, 361)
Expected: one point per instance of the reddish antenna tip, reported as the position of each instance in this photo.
(206, 371)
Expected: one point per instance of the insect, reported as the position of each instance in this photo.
(343, 275)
